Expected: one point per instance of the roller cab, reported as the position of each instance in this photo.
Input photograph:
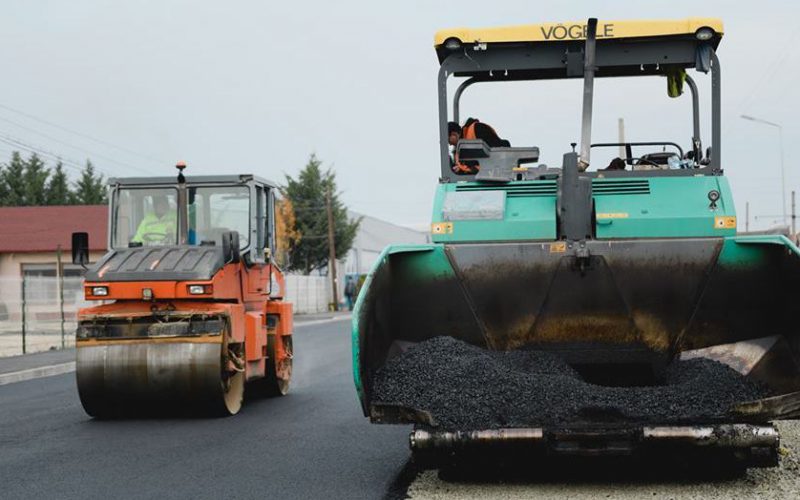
(590, 308)
(190, 304)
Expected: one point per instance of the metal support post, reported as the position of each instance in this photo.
(23, 319)
(589, 70)
(60, 280)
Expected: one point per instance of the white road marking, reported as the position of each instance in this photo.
(298, 324)
(40, 372)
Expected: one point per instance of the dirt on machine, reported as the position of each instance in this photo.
(191, 311)
(594, 308)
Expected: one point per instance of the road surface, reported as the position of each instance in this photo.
(312, 443)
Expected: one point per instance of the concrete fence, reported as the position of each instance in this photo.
(38, 313)
(34, 317)
(308, 294)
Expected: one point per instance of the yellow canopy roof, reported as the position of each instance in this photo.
(577, 31)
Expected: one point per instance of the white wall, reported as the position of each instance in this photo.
(308, 294)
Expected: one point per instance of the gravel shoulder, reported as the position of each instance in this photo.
(778, 482)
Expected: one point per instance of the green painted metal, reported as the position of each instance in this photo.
(526, 217)
(642, 207)
(637, 208)
(739, 255)
(675, 207)
(415, 291)
(424, 262)
(431, 260)
(768, 239)
(755, 252)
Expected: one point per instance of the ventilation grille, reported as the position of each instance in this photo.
(544, 188)
(600, 187)
(617, 187)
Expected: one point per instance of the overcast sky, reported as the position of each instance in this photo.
(239, 87)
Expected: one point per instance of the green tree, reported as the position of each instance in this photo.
(35, 181)
(58, 192)
(307, 194)
(90, 188)
(3, 186)
(13, 180)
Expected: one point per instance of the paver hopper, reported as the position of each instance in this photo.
(617, 271)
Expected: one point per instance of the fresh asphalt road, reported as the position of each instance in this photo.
(312, 443)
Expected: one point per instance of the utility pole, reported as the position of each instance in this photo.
(747, 217)
(794, 217)
(621, 132)
(331, 249)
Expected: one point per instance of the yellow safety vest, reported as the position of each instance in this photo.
(153, 225)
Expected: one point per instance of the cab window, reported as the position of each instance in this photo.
(216, 210)
(145, 217)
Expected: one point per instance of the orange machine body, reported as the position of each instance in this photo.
(238, 293)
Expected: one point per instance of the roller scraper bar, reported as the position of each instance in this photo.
(756, 445)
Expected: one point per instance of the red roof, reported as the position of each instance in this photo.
(42, 229)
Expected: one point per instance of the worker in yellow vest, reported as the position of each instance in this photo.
(160, 226)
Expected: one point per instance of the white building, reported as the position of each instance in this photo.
(373, 236)
(312, 293)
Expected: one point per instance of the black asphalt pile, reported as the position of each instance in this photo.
(465, 388)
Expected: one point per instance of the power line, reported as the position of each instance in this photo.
(52, 156)
(769, 72)
(90, 153)
(17, 143)
(81, 134)
(18, 147)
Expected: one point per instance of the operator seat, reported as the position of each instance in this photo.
(652, 161)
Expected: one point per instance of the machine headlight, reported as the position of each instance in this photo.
(200, 289)
(100, 291)
(704, 34)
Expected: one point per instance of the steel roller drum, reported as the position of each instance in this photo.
(156, 377)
